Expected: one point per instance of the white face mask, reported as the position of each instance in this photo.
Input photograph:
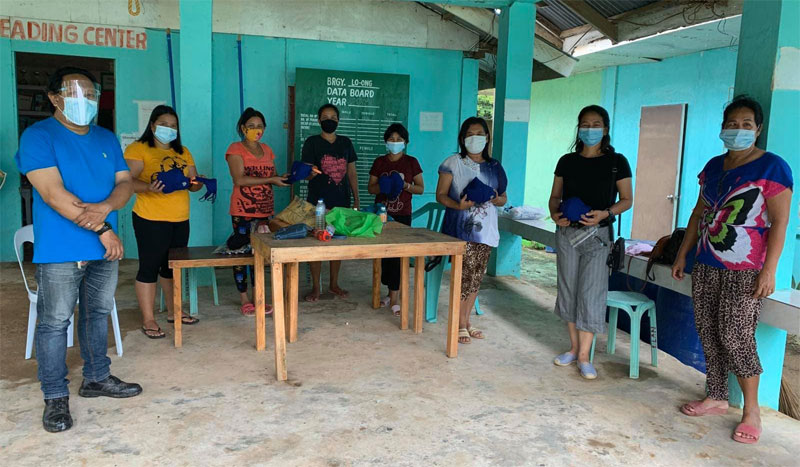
(475, 144)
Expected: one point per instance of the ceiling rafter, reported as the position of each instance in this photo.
(593, 17)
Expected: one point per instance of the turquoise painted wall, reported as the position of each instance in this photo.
(703, 81)
(554, 111)
(141, 75)
(441, 81)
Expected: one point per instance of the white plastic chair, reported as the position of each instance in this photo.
(25, 234)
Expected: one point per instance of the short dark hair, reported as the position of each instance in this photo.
(744, 102)
(148, 136)
(247, 115)
(396, 128)
(57, 78)
(605, 143)
(327, 106)
(462, 135)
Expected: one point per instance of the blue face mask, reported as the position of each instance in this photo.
(590, 136)
(395, 147)
(80, 110)
(165, 134)
(737, 140)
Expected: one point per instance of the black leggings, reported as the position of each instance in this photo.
(154, 240)
(390, 267)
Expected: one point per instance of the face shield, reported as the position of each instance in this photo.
(80, 97)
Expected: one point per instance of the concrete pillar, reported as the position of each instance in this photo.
(469, 89)
(768, 60)
(195, 104)
(512, 112)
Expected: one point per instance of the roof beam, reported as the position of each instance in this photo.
(665, 16)
(487, 25)
(593, 17)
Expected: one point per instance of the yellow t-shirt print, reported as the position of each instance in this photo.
(172, 207)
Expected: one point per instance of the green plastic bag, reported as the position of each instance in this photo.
(354, 223)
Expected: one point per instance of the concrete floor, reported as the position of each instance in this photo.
(363, 392)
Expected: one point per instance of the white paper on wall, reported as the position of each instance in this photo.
(430, 121)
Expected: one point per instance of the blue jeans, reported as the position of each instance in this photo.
(61, 285)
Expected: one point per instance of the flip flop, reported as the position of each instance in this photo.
(248, 309)
(464, 333)
(310, 297)
(385, 301)
(187, 320)
(160, 334)
(475, 333)
(396, 310)
(341, 294)
(698, 410)
(748, 430)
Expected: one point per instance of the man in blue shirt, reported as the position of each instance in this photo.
(80, 180)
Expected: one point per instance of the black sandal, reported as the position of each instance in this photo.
(160, 334)
(187, 320)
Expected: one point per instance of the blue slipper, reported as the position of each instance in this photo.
(565, 359)
(587, 370)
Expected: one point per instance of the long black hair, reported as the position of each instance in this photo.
(148, 136)
(247, 115)
(605, 143)
(462, 135)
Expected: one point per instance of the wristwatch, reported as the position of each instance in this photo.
(105, 228)
(611, 215)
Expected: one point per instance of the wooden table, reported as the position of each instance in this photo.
(394, 242)
(197, 257)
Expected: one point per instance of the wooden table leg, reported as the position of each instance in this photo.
(278, 321)
(376, 283)
(293, 278)
(419, 292)
(258, 297)
(455, 304)
(177, 302)
(404, 298)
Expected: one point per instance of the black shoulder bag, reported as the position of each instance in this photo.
(616, 257)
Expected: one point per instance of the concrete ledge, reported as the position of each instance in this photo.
(781, 309)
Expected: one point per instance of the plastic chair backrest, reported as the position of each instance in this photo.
(22, 235)
(435, 212)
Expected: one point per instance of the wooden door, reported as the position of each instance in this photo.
(658, 169)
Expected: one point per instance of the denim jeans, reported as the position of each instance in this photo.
(61, 285)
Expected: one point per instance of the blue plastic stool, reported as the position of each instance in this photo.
(636, 305)
(433, 278)
(190, 288)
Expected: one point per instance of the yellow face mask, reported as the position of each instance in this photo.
(253, 134)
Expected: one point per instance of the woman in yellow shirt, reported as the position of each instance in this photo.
(160, 220)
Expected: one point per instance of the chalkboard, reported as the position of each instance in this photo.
(367, 102)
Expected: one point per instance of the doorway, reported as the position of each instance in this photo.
(658, 171)
(32, 73)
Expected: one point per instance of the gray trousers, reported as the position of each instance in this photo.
(582, 280)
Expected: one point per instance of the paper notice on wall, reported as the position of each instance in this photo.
(125, 139)
(430, 121)
(517, 110)
(145, 109)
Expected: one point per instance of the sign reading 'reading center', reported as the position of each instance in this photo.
(72, 33)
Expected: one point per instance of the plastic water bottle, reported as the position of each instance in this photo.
(319, 213)
(382, 214)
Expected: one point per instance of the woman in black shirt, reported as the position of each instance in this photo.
(589, 178)
(335, 157)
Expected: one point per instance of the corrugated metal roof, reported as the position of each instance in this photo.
(610, 8)
(564, 18)
(558, 14)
